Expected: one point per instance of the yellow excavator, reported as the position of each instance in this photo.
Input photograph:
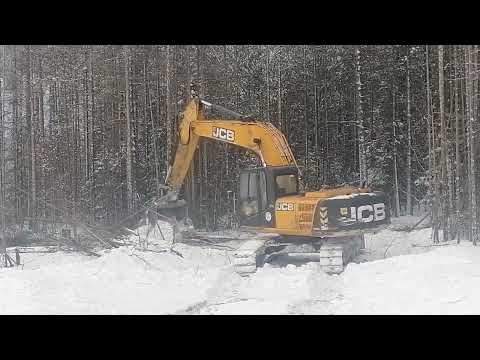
(327, 225)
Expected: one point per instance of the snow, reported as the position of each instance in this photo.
(443, 281)
(121, 281)
(391, 277)
(408, 221)
(351, 196)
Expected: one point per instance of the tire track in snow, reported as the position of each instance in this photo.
(326, 295)
(224, 290)
(192, 309)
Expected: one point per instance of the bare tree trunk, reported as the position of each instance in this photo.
(86, 127)
(77, 169)
(395, 169)
(361, 133)
(267, 75)
(154, 133)
(315, 95)
(443, 146)
(470, 70)
(409, 140)
(42, 124)
(92, 142)
(469, 136)
(450, 154)
(169, 108)
(457, 149)
(326, 171)
(128, 129)
(3, 249)
(433, 172)
(305, 119)
(192, 79)
(32, 162)
(279, 95)
(205, 146)
(473, 143)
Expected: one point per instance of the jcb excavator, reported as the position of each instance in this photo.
(327, 224)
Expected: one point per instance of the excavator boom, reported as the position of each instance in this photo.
(262, 138)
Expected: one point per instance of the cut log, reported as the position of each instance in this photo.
(419, 222)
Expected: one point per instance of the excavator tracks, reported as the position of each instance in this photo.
(333, 254)
(248, 256)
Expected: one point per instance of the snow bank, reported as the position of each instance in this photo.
(122, 281)
(397, 279)
(443, 281)
(388, 243)
(274, 290)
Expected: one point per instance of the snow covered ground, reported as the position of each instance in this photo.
(397, 279)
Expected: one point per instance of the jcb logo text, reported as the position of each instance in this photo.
(368, 213)
(223, 134)
(284, 207)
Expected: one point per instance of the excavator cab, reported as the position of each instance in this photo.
(259, 188)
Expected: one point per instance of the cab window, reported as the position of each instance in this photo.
(248, 194)
(286, 184)
(263, 190)
(252, 186)
(253, 193)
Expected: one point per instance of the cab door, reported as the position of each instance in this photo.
(253, 206)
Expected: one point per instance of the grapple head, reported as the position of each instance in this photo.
(171, 206)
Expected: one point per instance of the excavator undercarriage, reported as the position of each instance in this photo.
(332, 254)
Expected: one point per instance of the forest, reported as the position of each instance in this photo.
(88, 132)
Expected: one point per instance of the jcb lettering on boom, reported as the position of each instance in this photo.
(223, 134)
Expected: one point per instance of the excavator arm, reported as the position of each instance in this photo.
(262, 138)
